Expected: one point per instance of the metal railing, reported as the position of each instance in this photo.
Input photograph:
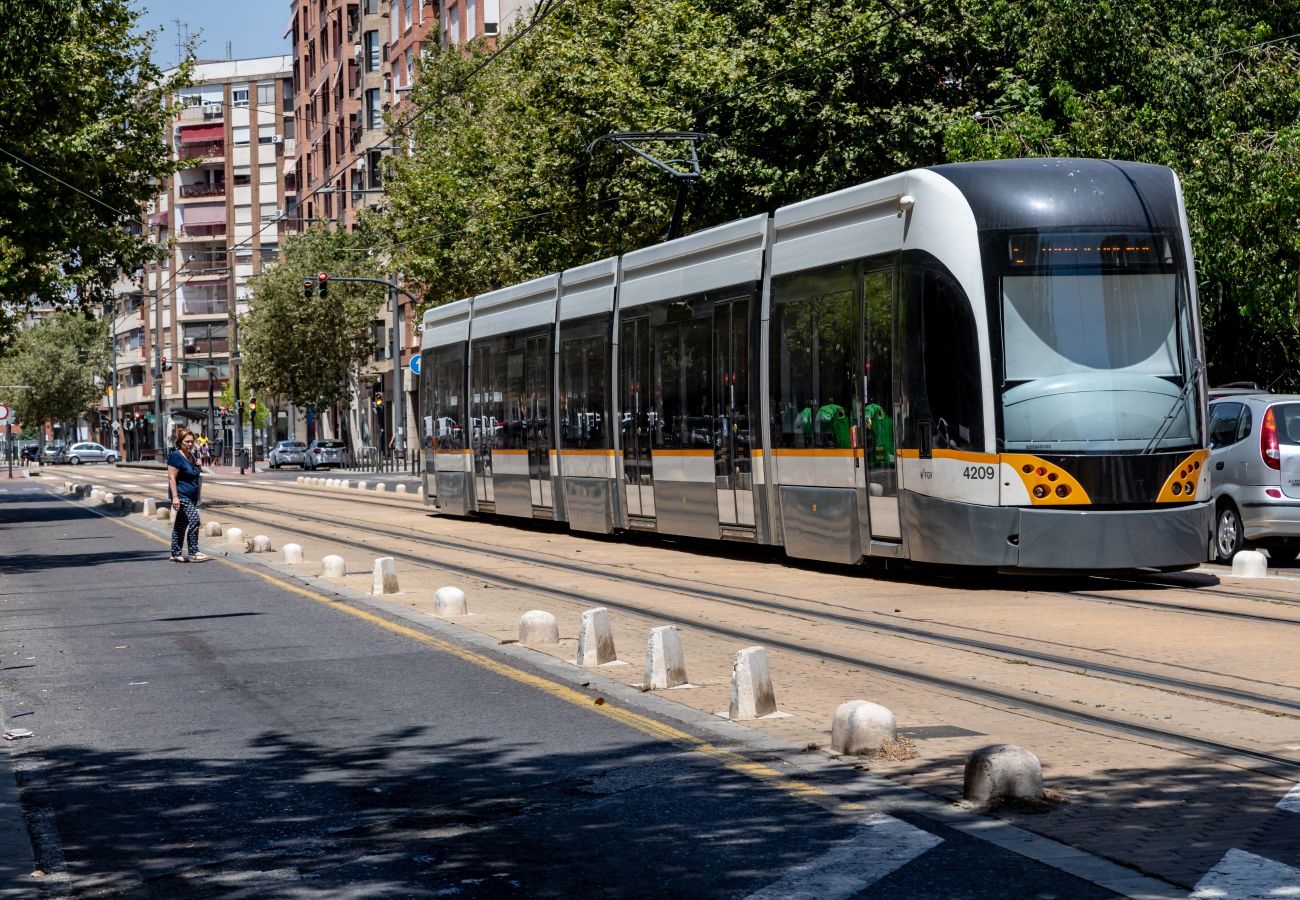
(372, 459)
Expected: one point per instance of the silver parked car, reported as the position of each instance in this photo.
(288, 453)
(1255, 474)
(324, 454)
(86, 451)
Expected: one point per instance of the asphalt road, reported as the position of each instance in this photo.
(199, 731)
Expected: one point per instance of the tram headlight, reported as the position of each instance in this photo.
(1040, 491)
(1062, 490)
(1177, 489)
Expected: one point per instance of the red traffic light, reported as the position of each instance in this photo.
(324, 280)
(323, 277)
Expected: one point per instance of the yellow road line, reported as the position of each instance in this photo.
(643, 724)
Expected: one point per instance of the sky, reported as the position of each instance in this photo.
(253, 27)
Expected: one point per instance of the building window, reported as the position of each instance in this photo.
(266, 174)
(266, 134)
(407, 19)
(410, 67)
(268, 211)
(289, 128)
(453, 17)
(372, 7)
(239, 95)
(266, 93)
(471, 19)
(240, 135)
(242, 175)
(374, 111)
(372, 51)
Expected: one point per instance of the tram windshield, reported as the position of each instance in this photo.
(1097, 344)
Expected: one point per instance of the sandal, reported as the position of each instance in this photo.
(199, 557)
(179, 559)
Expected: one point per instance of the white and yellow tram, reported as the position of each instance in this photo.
(993, 364)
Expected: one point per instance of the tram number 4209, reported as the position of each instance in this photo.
(979, 473)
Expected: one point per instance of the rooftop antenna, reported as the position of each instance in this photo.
(182, 39)
(229, 54)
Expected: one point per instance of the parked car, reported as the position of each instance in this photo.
(288, 453)
(1255, 474)
(31, 453)
(86, 451)
(323, 455)
(51, 453)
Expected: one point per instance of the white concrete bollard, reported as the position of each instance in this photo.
(331, 567)
(665, 663)
(384, 579)
(400, 489)
(95, 495)
(1003, 771)
(345, 484)
(861, 727)
(212, 529)
(299, 480)
(149, 508)
(235, 537)
(1249, 564)
(538, 627)
(380, 486)
(450, 601)
(293, 554)
(163, 514)
(596, 638)
(261, 544)
(752, 696)
(108, 498)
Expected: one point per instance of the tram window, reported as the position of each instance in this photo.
(813, 361)
(448, 381)
(941, 363)
(682, 353)
(583, 384)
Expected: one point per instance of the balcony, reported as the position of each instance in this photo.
(201, 348)
(196, 385)
(214, 229)
(205, 307)
(205, 150)
(203, 189)
(202, 112)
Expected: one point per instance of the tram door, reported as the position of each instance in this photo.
(637, 416)
(877, 458)
(733, 460)
(537, 418)
(482, 421)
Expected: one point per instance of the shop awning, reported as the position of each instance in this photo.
(158, 218)
(211, 214)
(202, 134)
(208, 279)
(290, 165)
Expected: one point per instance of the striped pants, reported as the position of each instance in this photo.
(185, 522)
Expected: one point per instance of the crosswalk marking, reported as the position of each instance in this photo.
(1291, 802)
(1245, 876)
(882, 845)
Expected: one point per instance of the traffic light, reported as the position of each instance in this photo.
(252, 406)
(166, 366)
(307, 286)
(379, 399)
(324, 280)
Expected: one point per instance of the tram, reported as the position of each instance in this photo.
(984, 364)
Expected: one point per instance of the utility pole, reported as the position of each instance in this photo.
(238, 443)
(114, 426)
(159, 429)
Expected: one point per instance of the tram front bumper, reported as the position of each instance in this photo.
(1056, 539)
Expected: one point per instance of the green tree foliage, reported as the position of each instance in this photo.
(809, 96)
(88, 114)
(64, 362)
(301, 350)
(227, 399)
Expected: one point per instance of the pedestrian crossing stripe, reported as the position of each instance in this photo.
(1291, 802)
(1245, 876)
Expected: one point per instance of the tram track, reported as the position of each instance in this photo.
(1274, 762)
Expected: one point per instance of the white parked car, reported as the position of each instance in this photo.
(85, 452)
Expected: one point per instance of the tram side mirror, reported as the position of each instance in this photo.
(927, 439)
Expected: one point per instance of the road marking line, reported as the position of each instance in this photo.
(883, 845)
(644, 724)
(1245, 876)
(1291, 802)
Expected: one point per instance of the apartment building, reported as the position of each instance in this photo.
(221, 221)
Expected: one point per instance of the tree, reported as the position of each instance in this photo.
(303, 350)
(802, 98)
(85, 116)
(63, 365)
(260, 419)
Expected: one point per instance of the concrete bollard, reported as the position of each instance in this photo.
(163, 514)
(596, 638)
(299, 480)
(108, 498)
(96, 495)
(400, 489)
(1249, 564)
(83, 490)
(538, 627)
(137, 506)
(1003, 772)
(752, 696)
(384, 579)
(261, 544)
(345, 485)
(861, 727)
(665, 663)
(212, 529)
(331, 567)
(450, 601)
(149, 507)
(124, 503)
(293, 554)
(380, 486)
(235, 537)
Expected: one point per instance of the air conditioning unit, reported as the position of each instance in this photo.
(212, 109)
(360, 164)
(356, 51)
(277, 139)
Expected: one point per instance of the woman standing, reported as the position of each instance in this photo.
(183, 479)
